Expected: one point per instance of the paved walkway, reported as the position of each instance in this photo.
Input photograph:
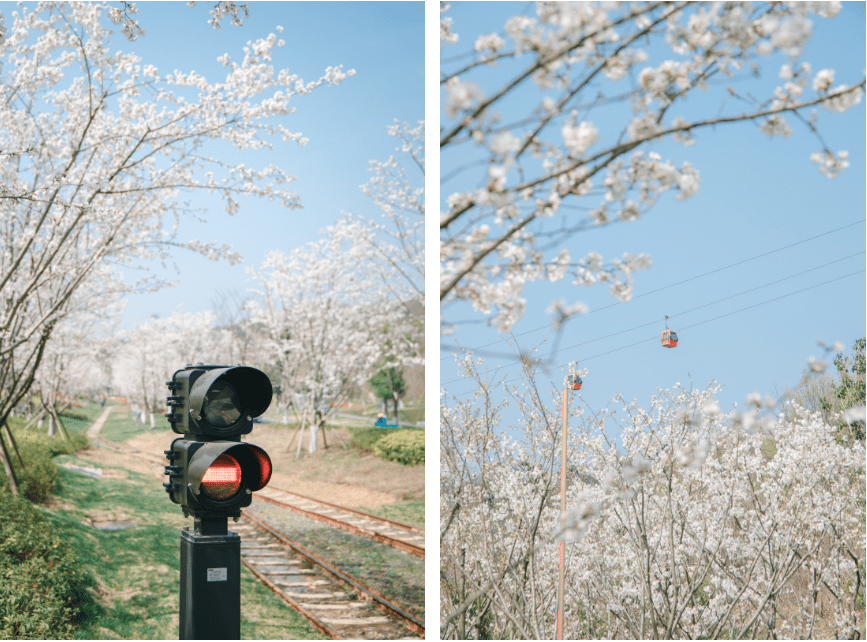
(96, 427)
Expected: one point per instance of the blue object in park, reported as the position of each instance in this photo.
(382, 423)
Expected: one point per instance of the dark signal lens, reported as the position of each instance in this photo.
(223, 478)
(222, 405)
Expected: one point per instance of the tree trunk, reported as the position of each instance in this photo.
(7, 465)
(61, 427)
(301, 432)
(314, 429)
(35, 419)
(14, 445)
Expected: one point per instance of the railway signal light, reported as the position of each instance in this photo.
(212, 475)
(211, 472)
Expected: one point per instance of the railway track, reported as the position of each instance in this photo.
(334, 602)
(400, 536)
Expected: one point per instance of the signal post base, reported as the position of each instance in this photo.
(210, 582)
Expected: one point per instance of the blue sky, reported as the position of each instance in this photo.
(346, 124)
(757, 194)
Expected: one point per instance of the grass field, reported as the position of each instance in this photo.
(411, 513)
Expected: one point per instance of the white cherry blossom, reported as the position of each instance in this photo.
(572, 61)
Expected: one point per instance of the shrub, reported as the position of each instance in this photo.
(38, 477)
(366, 438)
(42, 592)
(402, 446)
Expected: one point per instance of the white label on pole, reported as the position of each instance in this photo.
(217, 575)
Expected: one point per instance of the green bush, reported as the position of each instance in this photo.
(366, 438)
(38, 478)
(402, 446)
(43, 594)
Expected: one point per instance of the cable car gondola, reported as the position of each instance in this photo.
(573, 381)
(669, 337)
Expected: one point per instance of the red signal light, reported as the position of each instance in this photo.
(264, 466)
(223, 478)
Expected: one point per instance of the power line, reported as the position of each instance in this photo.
(694, 325)
(672, 316)
(753, 258)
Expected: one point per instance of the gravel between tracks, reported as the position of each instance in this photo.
(396, 574)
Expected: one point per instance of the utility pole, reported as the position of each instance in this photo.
(561, 588)
(573, 382)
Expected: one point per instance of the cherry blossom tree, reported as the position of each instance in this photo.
(123, 15)
(76, 359)
(150, 353)
(331, 320)
(338, 310)
(607, 82)
(397, 240)
(691, 524)
(97, 153)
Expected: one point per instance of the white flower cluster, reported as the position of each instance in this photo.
(461, 96)
(823, 80)
(446, 22)
(489, 44)
(572, 525)
(843, 98)
(579, 138)
(830, 165)
(686, 525)
(775, 125)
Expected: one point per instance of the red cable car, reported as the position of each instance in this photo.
(669, 337)
(573, 381)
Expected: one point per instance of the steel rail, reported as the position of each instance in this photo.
(413, 623)
(412, 549)
(295, 606)
(400, 525)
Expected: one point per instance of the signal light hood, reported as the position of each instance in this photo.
(252, 386)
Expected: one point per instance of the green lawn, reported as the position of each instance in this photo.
(411, 513)
(121, 426)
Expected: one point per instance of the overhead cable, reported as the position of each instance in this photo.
(680, 331)
(693, 278)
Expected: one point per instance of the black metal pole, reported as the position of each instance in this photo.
(210, 581)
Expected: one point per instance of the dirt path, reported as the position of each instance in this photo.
(96, 427)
